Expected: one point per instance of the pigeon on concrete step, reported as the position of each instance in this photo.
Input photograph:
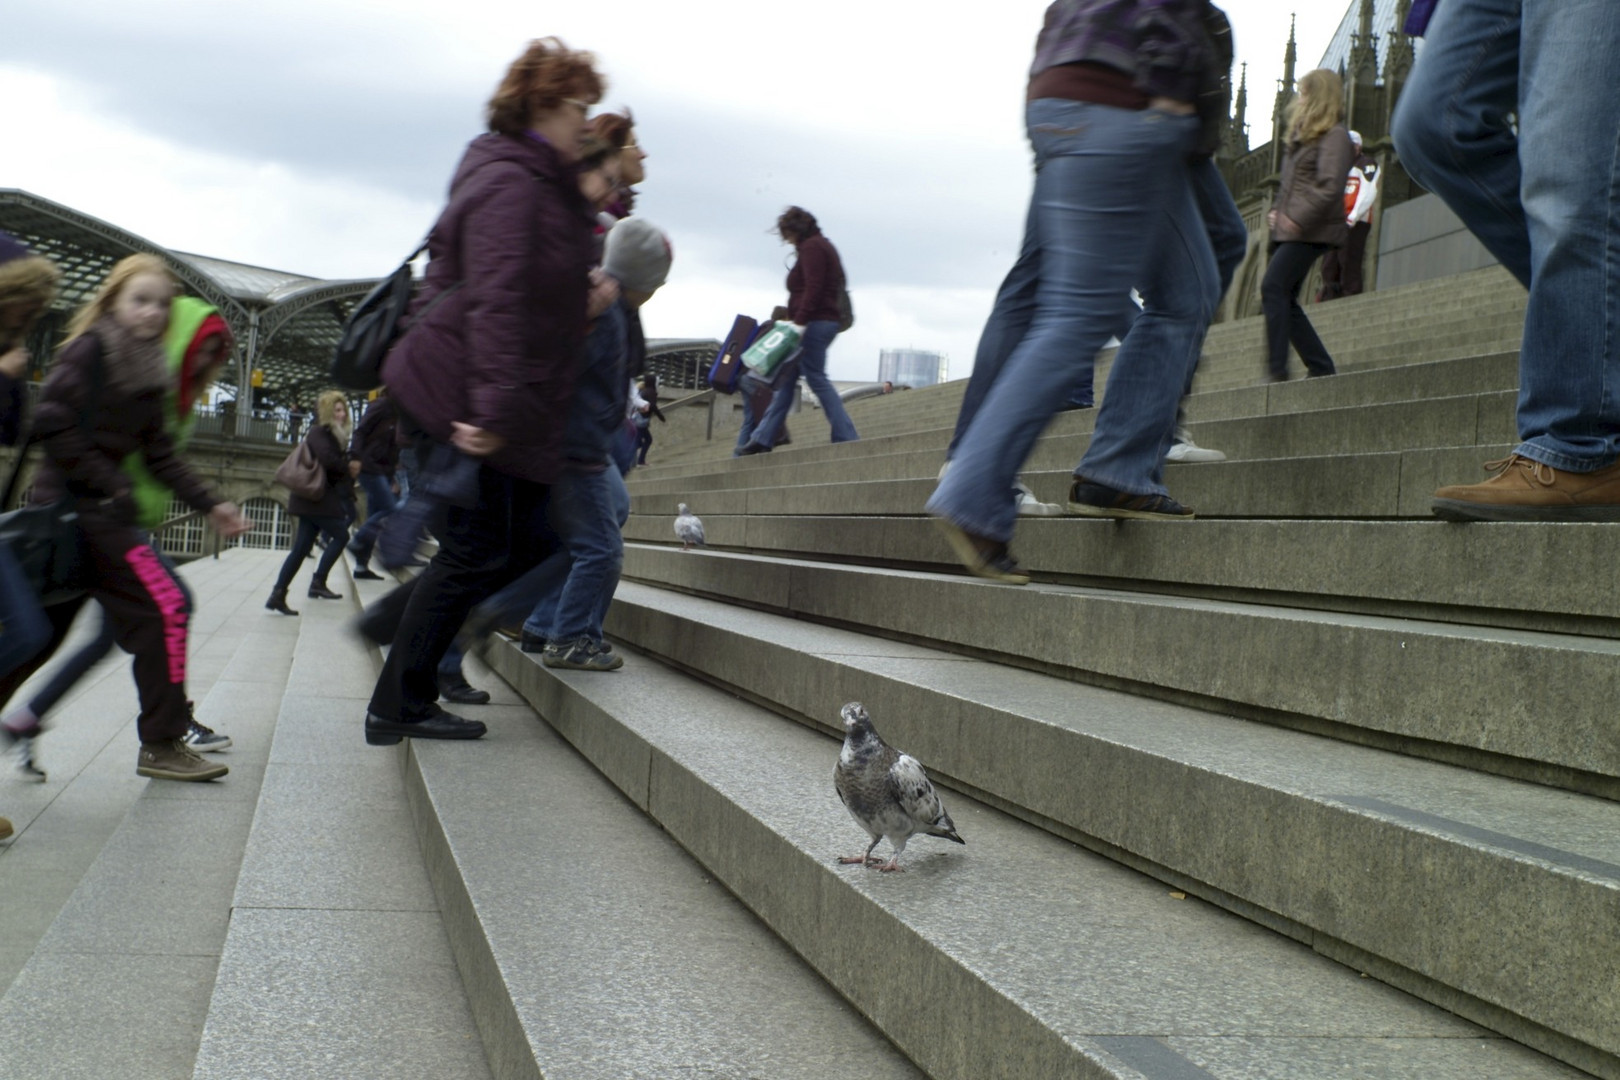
(887, 792)
(688, 528)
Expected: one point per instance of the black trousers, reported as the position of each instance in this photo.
(1285, 319)
(150, 613)
(336, 531)
(480, 549)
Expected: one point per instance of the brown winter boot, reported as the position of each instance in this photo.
(172, 759)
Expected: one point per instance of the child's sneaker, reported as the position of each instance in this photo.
(580, 654)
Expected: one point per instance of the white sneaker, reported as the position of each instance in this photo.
(1183, 449)
(1030, 506)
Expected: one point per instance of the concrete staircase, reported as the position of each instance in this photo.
(1375, 752)
(1310, 787)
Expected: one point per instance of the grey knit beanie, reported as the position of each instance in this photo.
(638, 255)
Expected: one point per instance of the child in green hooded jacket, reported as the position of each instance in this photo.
(198, 344)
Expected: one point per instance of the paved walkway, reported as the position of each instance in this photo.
(158, 930)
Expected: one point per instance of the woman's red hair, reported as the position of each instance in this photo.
(547, 74)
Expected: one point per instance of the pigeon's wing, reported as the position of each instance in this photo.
(917, 798)
(696, 526)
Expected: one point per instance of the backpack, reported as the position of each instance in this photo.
(375, 324)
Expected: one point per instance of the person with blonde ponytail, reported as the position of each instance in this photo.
(106, 399)
(328, 516)
(1306, 219)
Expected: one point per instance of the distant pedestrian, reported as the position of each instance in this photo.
(1112, 120)
(815, 287)
(1506, 118)
(1342, 267)
(1306, 219)
(328, 516)
(105, 400)
(486, 378)
(650, 412)
(375, 448)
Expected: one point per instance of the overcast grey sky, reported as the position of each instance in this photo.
(317, 136)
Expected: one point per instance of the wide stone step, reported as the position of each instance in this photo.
(1385, 485)
(1511, 575)
(118, 982)
(336, 962)
(1459, 693)
(1019, 955)
(1473, 375)
(591, 945)
(1455, 879)
(1479, 419)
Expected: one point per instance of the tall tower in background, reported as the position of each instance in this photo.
(915, 368)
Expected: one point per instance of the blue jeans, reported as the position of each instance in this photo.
(380, 502)
(1113, 206)
(818, 337)
(336, 531)
(1015, 303)
(585, 512)
(1543, 201)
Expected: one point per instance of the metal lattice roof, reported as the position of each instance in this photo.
(1386, 15)
(291, 322)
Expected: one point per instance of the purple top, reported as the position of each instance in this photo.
(1161, 44)
(1417, 20)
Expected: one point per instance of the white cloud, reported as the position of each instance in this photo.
(317, 137)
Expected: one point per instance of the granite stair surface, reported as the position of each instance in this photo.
(1316, 710)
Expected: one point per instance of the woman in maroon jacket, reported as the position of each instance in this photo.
(815, 291)
(327, 516)
(490, 371)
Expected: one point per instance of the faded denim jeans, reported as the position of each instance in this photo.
(1113, 207)
(1545, 200)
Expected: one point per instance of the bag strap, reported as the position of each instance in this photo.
(97, 377)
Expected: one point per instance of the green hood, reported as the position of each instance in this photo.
(152, 498)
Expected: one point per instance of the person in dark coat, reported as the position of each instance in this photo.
(107, 399)
(328, 516)
(1306, 220)
(489, 372)
(27, 287)
(375, 450)
(815, 290)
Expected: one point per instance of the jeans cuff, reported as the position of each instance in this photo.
(1561, 461)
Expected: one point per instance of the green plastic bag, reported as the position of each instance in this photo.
(774, 347)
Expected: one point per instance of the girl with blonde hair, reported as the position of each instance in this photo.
(106, 399)
(1307, 219)
(328, 516)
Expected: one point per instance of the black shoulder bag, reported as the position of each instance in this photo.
(46, 541)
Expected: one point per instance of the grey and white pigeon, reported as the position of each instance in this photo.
(688, 528)
(886, 792)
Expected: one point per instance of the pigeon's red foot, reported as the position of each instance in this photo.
(851, 860)
(891, 866)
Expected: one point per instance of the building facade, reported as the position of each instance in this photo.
(915, 368)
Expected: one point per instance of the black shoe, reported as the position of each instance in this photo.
(278, 602)
(459, 691)
(1098, 500)
(436, 725)
(531, 643)
(321, 592)
(365, 573)
(752, 448)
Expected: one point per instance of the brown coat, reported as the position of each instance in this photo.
(503, 351)
(1312, 189)
(84, 459)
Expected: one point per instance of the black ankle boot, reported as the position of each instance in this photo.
(319, 591)
(278, 602)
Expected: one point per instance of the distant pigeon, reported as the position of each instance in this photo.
(886, 791)
(688, 528)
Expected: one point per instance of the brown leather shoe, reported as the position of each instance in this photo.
(172, 759)
(6, 828)
(1525, 490)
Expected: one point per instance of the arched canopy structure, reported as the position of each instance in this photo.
(285, 324)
